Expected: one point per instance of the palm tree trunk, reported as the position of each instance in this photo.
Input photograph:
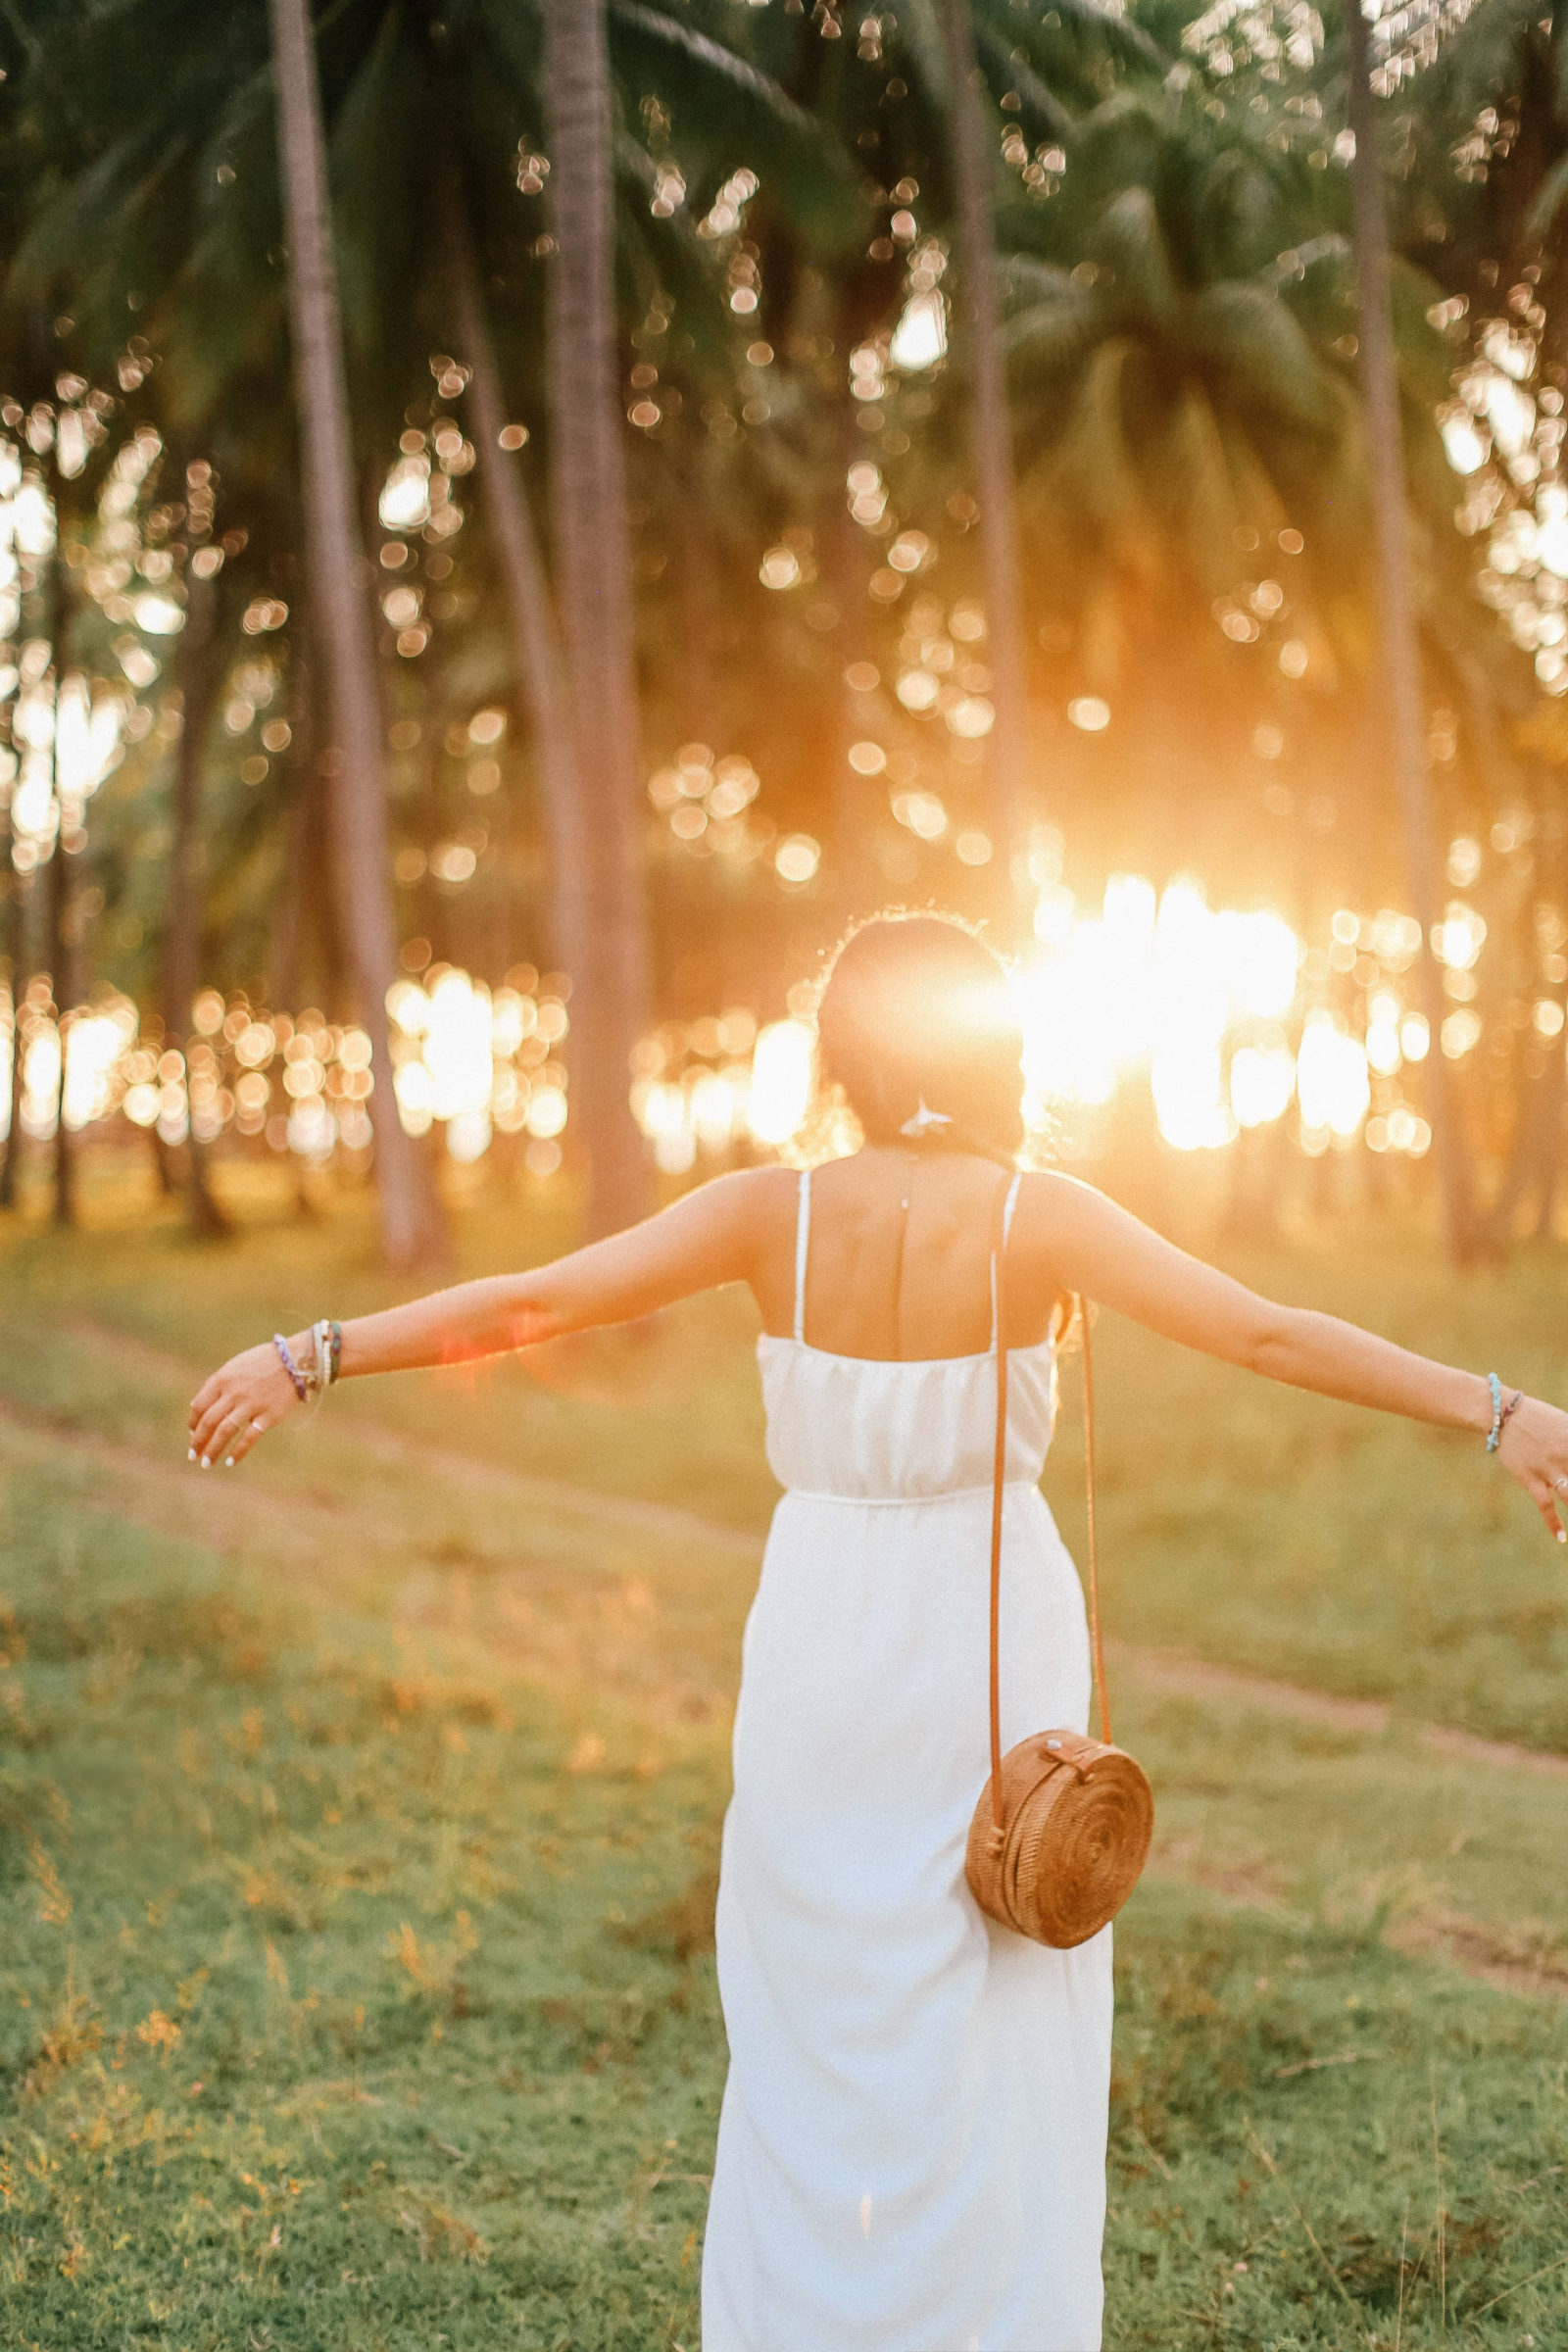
(198, 670)
(412, 1230)
(15, 954)
(700, 703)
(56, 891)
(603, 899)
(1401, 647)
(536, 649)
(993, 437)
(857, 802)
(57, 951)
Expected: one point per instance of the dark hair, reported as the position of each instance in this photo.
(915, 1010)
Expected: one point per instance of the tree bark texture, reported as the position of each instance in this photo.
(16, 952)
(972, 170)
(56, 878)
(412, 1230)
(198, 670)
(57, 952)
(1401, 680)
(602, 898)
(536, 649)
(857, 802)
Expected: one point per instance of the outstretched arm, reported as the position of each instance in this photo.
(1094, 1247)
(706, 1238)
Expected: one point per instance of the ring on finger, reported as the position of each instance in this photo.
(1562, 1484)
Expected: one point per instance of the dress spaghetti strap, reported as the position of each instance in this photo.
(803, 1242)
(1006, 1228)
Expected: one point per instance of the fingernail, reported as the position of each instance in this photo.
(190, 1453)
(205, 1464)
(229, 1461)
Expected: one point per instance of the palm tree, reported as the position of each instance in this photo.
(1181, 401)
(536, 649)
(1402, 648)
(993, 429)
(59, 912)
(602, 902)
(408, 91)
(961, 71)
(15, 938)
(412, 1225)
(199, 674)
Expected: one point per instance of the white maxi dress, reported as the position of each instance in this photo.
(912, 2141)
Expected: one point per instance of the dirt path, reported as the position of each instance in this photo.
(572, 1599)
(1179, 1676)
(575, 1622)
(1168, 1673)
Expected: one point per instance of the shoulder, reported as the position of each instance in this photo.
(745, 1203)
(1051, 1207)
(1047, 1189)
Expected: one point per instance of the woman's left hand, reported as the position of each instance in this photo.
(242, 1399)
(1535, 1451)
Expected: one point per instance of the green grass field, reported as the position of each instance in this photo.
(359, 1817)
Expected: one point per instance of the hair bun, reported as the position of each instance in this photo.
(915, 1011)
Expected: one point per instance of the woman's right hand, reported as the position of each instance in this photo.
(241, 1400)
(1535, 1451)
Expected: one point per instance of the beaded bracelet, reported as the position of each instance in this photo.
(327, 1338)
(1502, 1413)
(301, 1387)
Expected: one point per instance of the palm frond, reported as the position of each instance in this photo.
(1123, 35)
(1547, 202)
(735, 105)
(1007, 72)
(1053, 338)
(1128, 240)
(1247, 334)
(725, 69)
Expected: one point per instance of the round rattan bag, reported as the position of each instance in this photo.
(1060, 1833)
(1076, 1819)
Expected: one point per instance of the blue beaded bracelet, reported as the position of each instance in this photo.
(301, 1388)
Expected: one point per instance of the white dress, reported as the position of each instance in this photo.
(912, 2148)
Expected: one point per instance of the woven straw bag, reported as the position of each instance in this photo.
(1060, 1833)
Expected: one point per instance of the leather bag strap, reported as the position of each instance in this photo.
(1101, 1691)
(999, 1474)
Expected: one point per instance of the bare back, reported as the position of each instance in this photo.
(898, 1262)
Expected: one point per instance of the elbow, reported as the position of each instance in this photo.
(531, 1324)
(1272, 1345)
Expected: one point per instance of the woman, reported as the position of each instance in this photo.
(912, 2148)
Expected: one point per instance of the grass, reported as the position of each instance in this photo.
(357, 1822)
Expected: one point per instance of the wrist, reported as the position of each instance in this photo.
(1501, 1403)
(317, 1350)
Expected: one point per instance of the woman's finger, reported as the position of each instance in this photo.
(227, 1430)
(244, 1439)
(1546, 1499)
(203, 1426)
(1557, 1497)
(226, 1408)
